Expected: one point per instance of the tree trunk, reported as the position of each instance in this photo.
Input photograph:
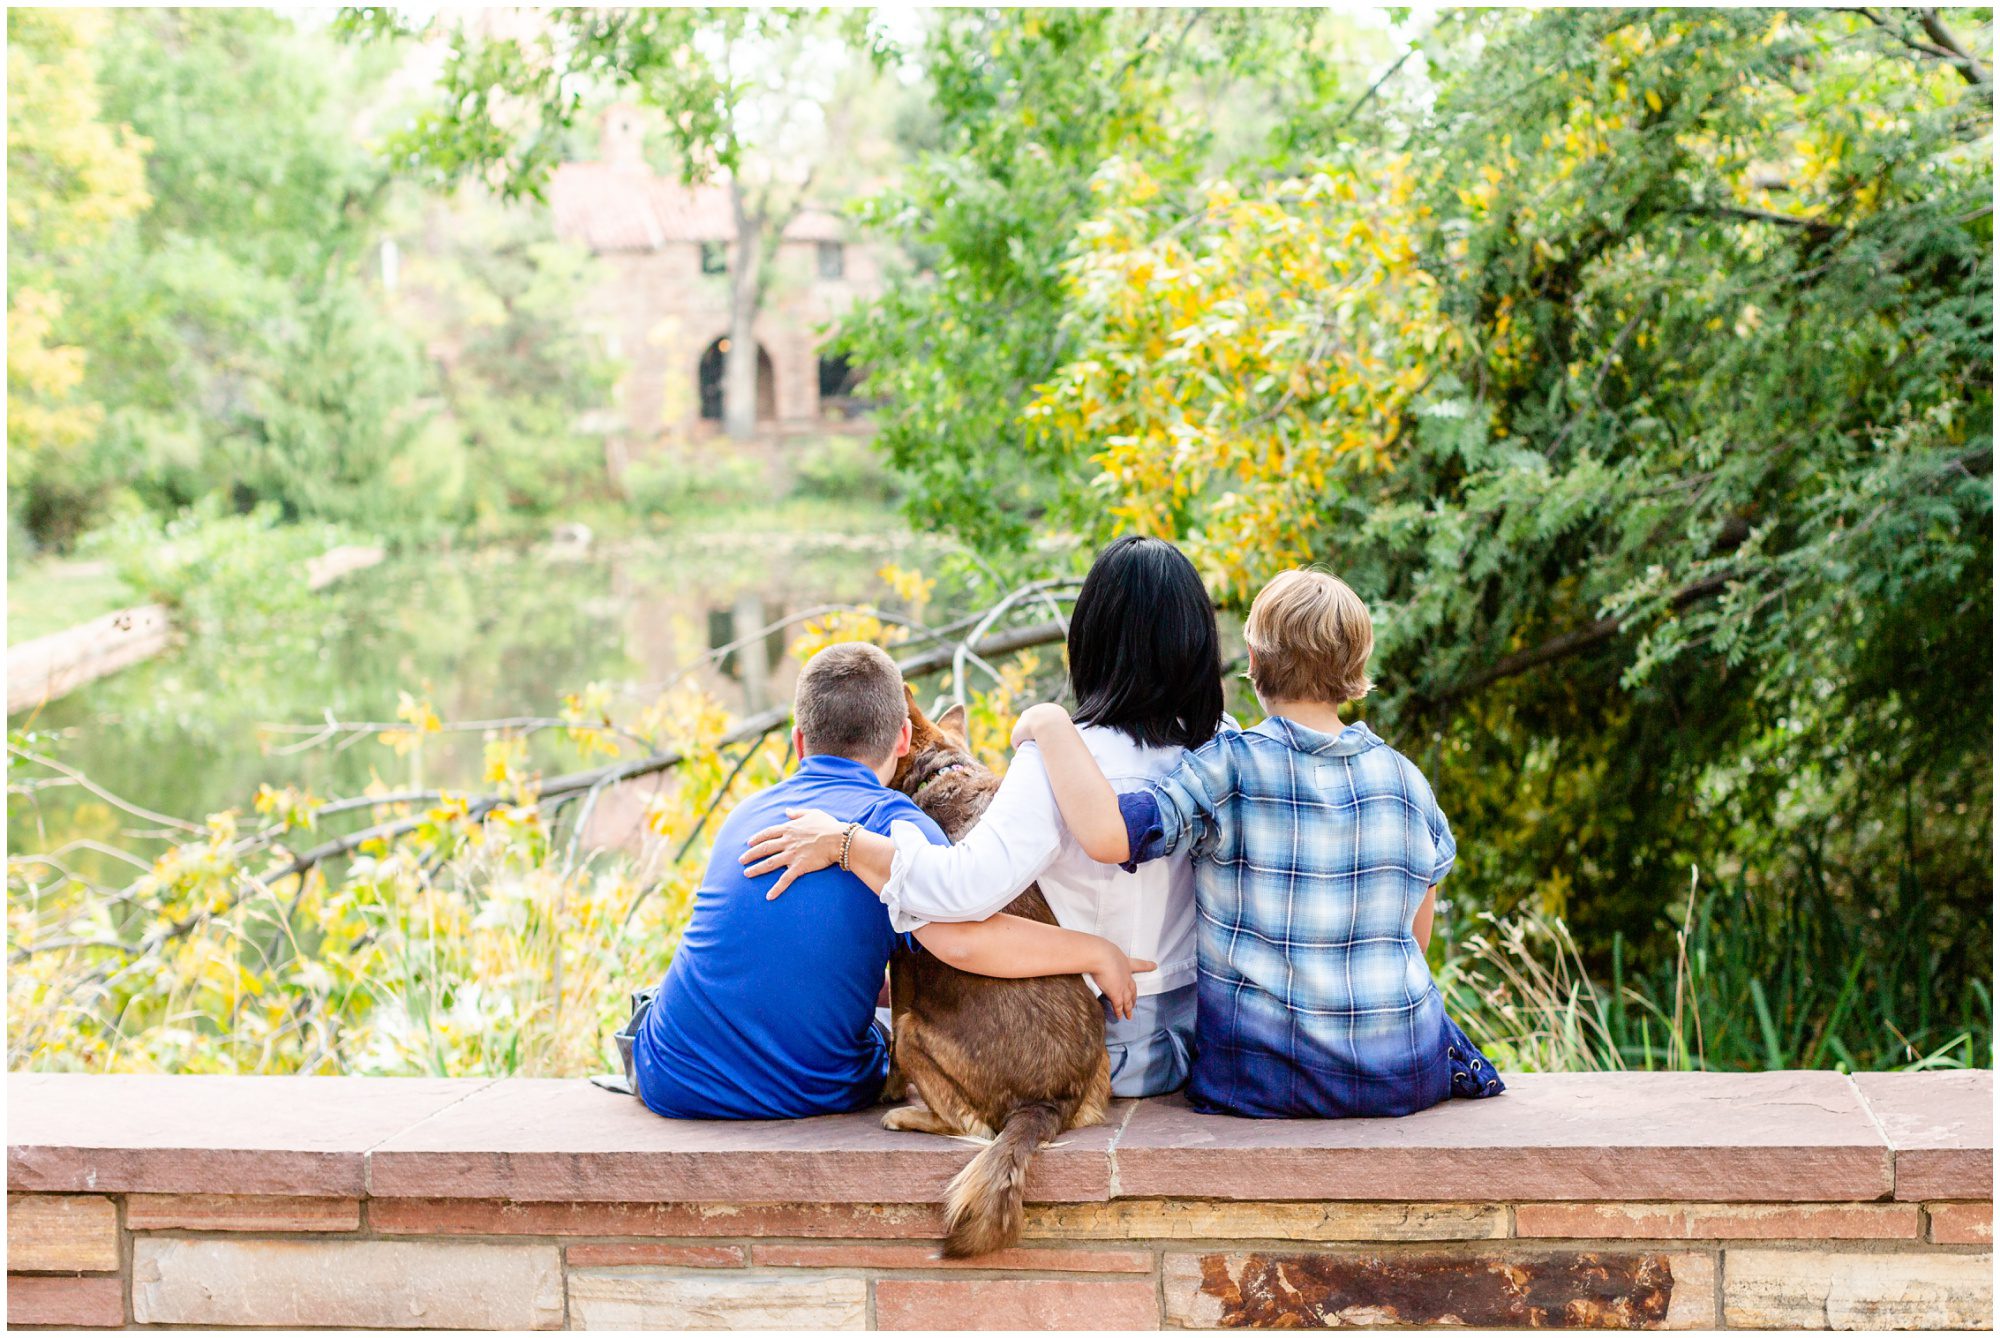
(739, 367)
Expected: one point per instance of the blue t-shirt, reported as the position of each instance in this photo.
(767, 1009)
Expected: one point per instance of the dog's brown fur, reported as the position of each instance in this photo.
(1018, 1061)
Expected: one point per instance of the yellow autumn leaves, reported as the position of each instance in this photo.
(1249, 359)
(72, 178)
(486, 938)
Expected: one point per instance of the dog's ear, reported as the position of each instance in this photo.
(952, 721)
(918, 720)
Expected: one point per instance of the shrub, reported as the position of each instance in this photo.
(214, 566)
(844, 469)
(674, 483)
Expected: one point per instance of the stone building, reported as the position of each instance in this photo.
(663, 307)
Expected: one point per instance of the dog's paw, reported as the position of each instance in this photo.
(911, 1119)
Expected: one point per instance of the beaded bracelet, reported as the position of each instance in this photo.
(847, 845)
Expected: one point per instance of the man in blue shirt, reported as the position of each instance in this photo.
(768, 1010)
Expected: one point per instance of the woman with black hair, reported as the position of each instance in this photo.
(1145, 668)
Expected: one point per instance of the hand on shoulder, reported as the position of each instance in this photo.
(1035, 719)
(807, 841)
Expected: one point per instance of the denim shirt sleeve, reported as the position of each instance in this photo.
(1144, 835)
(1179, 810)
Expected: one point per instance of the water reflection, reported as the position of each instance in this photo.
(481, 634)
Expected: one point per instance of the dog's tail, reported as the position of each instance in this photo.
(983, 1204)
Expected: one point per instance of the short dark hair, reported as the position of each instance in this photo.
(850, 702)
(1143, 654)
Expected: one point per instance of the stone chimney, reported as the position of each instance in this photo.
(622, 140)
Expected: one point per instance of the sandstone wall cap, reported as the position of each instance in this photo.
(1597, 1137)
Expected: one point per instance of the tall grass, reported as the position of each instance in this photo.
(1748, 985)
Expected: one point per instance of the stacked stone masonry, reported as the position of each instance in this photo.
(1675, 1201)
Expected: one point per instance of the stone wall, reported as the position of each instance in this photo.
(1695, 1201)
(661, 313)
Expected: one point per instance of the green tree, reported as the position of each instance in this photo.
(73, 177)
(1026, 106)
(753, 99)
(238, 342)
(493, 294)
(1655, 419)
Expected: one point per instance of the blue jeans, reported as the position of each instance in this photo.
(1151, 1051)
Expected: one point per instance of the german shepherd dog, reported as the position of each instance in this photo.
(1016, 1061)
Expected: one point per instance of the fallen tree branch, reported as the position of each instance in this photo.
(963, 650)
(522, 725)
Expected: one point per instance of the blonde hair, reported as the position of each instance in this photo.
(1311, 636)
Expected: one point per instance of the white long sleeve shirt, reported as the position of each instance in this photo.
(1022, 838)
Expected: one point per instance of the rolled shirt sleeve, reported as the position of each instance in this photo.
(1144, 835)
(1014, 841)
(1445, 844)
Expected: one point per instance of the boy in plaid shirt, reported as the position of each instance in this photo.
(1317, 851)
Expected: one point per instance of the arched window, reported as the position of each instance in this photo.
(708, 379)
(840, 387)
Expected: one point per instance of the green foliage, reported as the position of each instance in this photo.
(73, 176)
(1741, 989)
(237, 338)
(487, 84)
(1027, 104)
(842, 468)
(340, 436)
(1715, 478)
(476, 945)
(233, 341)
(215, 568)
(494, 286)
(711, 478)
(1647, 399)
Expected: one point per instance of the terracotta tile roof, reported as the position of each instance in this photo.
(615, 208)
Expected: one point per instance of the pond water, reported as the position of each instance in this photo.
(481, 634)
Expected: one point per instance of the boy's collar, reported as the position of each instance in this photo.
(1355, 738)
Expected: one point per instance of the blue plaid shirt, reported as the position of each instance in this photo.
(1312, 853)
